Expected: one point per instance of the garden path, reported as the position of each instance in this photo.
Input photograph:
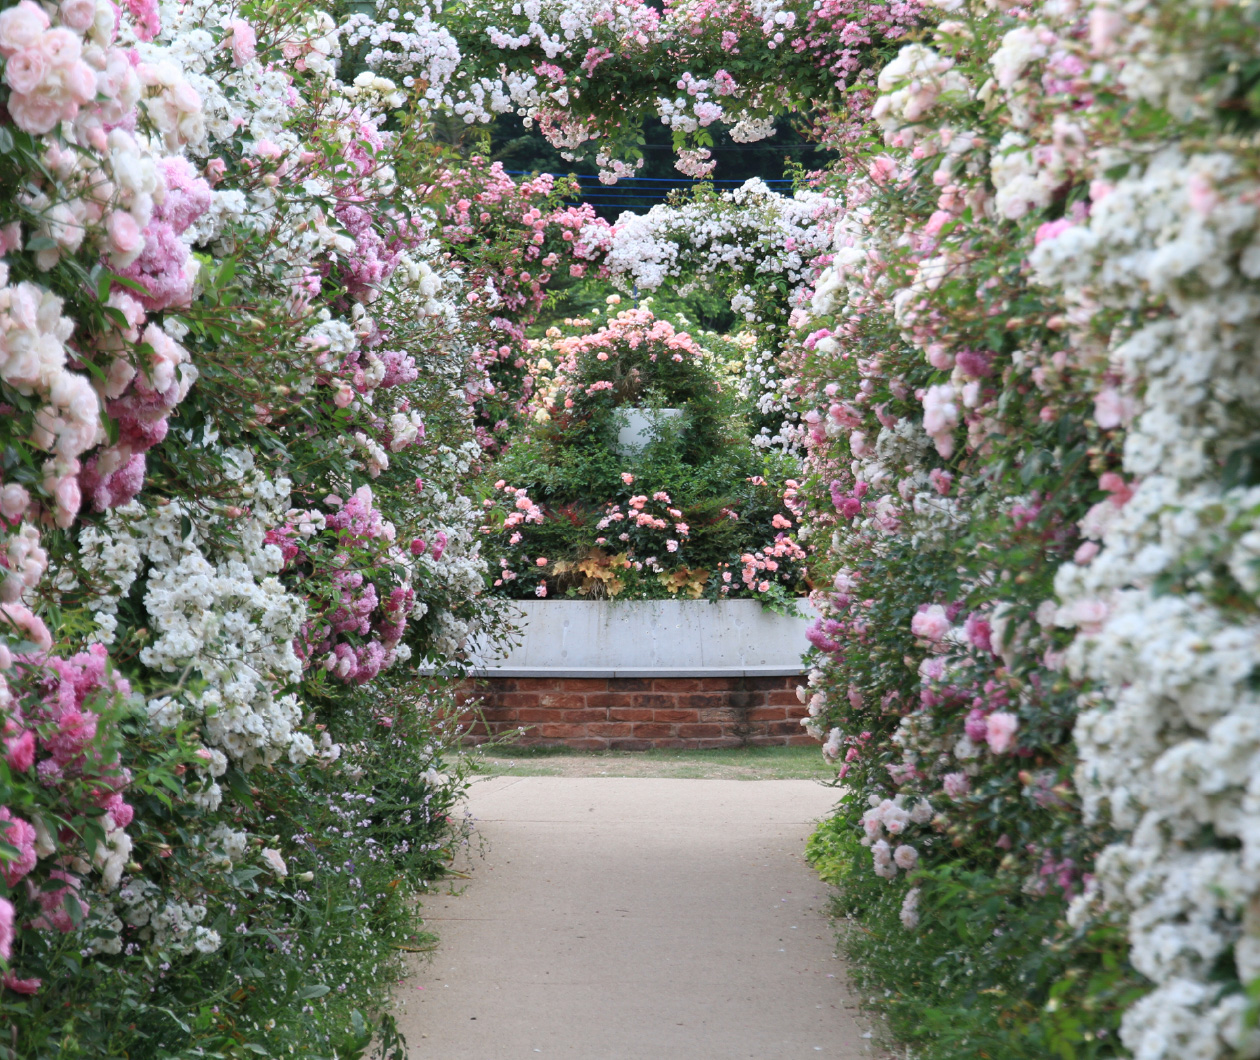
(628, 918)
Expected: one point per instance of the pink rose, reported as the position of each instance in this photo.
(145, 19)
(66, 494)
(27, 622)
(20, 751)
(215, 169)
(1001, 731)
(906, 857)
(976, 726)
(1087, 551)
(186, 98)
(81, 80)
(941, 480)
(439, 544)
(978, 631)
(125, 238)
(1121, 491)
(1111, 409)
(20, 986)
(14, 500)
(1087, 614)
(244, 42)
(33, 112)
(61, 47)
(956, 784)
(1052, 230)
(11, 237)
(882, 168)
(931, 624)
(25, 70)
(20, 834)
(78, 14)
(6, 929)
(21, 26)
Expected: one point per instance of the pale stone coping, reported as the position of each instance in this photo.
(692, 671)
(648, 638)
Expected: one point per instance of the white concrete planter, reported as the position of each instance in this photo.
(650, 638)
(640, 427)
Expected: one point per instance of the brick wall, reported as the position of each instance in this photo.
(636, 714)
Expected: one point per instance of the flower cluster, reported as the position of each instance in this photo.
(218, 318)
(637, 482)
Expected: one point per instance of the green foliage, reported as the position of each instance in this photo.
(988, 971)
(671, 519)
(306, 957)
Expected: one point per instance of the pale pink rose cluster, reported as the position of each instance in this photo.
(33, 358)
(931, 623)
(140, 401)
(44, 67)
(888, 819)
(25, 562)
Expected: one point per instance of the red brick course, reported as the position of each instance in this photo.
(636, 714)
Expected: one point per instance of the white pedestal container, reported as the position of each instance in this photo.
(640, 427)
(650, 638)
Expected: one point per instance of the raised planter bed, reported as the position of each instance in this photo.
(640, 674)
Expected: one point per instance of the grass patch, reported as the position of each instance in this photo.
(726, 763)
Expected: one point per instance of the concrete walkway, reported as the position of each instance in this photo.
(636, 919)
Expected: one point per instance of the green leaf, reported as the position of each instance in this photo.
(308, 993)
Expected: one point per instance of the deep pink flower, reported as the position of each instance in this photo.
(20, 751)
(1052, 230)
(145, 18)
(976, 727)
(20, 834)
(978, 632)
(56, 915)
(7, 931)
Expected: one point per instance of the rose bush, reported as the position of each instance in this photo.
(247, 323)
(1029, 433)
(695, 511)
(233, 381)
